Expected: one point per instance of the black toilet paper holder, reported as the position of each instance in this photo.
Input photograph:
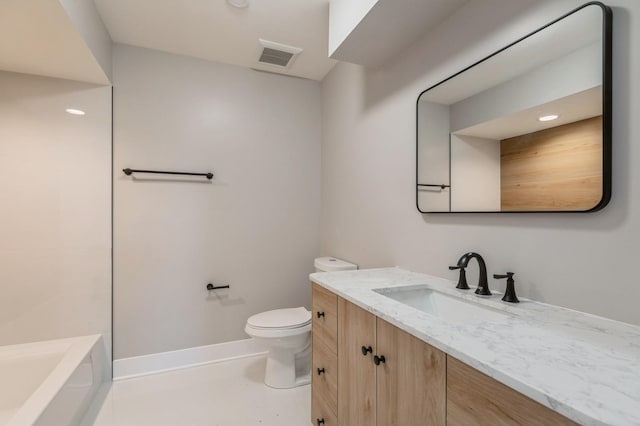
(213, 287)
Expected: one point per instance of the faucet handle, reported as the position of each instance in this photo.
(462, 279)
(510, 292)
(508, 275)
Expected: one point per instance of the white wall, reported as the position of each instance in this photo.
(475, 174)
(256, 227)
(55, 220)
(584, 261)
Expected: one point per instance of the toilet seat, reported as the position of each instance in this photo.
(276, 333)
(280, 319)
(279, 323)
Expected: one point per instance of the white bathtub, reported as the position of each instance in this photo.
(50, 383)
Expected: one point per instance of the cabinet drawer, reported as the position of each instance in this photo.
(320, 412)
(474, 398)
(324, 385)
(325, 316)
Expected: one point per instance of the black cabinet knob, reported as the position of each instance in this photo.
(378, 359)
(366, 350)
(320, 314)
(320, 421)
(320, 371)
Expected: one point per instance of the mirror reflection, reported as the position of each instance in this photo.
(527, 129)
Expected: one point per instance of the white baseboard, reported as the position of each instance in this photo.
(127, 368)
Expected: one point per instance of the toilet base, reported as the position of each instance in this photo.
(286, 369)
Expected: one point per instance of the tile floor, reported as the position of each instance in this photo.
(229, 393)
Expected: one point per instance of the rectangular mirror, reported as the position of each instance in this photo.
(527, 129)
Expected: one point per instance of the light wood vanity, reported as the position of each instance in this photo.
(415, 384)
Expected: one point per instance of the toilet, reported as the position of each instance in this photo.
(286, 333)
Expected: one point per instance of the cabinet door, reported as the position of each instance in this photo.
(474, 399)
(411, 383)
(356, 372)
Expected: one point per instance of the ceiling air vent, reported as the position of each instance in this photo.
(277, 54)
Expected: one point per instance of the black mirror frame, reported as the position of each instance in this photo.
(607, 45)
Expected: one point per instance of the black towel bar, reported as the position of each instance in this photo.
(128, 172)
(441, 186)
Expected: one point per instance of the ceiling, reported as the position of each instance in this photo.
(38, 37)
(572, 108)
(214, 30)
(71, 39)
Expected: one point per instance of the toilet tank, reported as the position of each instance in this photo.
(332, 264)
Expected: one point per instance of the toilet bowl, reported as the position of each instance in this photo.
(286, 334)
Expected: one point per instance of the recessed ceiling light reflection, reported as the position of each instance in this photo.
(549, 117)
(74, 111)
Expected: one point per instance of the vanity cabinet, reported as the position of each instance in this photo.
(368, 372)
(474, 398)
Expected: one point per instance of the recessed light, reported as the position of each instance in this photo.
(74, 111)
(241, 4)
(548, 117)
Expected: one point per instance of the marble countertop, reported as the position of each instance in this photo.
(585, 367)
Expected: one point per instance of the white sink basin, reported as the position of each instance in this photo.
(441, 305)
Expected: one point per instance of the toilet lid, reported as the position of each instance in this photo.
(281, 318)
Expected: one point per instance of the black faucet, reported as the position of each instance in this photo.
(483, 285)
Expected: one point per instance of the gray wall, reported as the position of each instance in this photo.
(256, 227)
(55, 219)
(583, 261)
